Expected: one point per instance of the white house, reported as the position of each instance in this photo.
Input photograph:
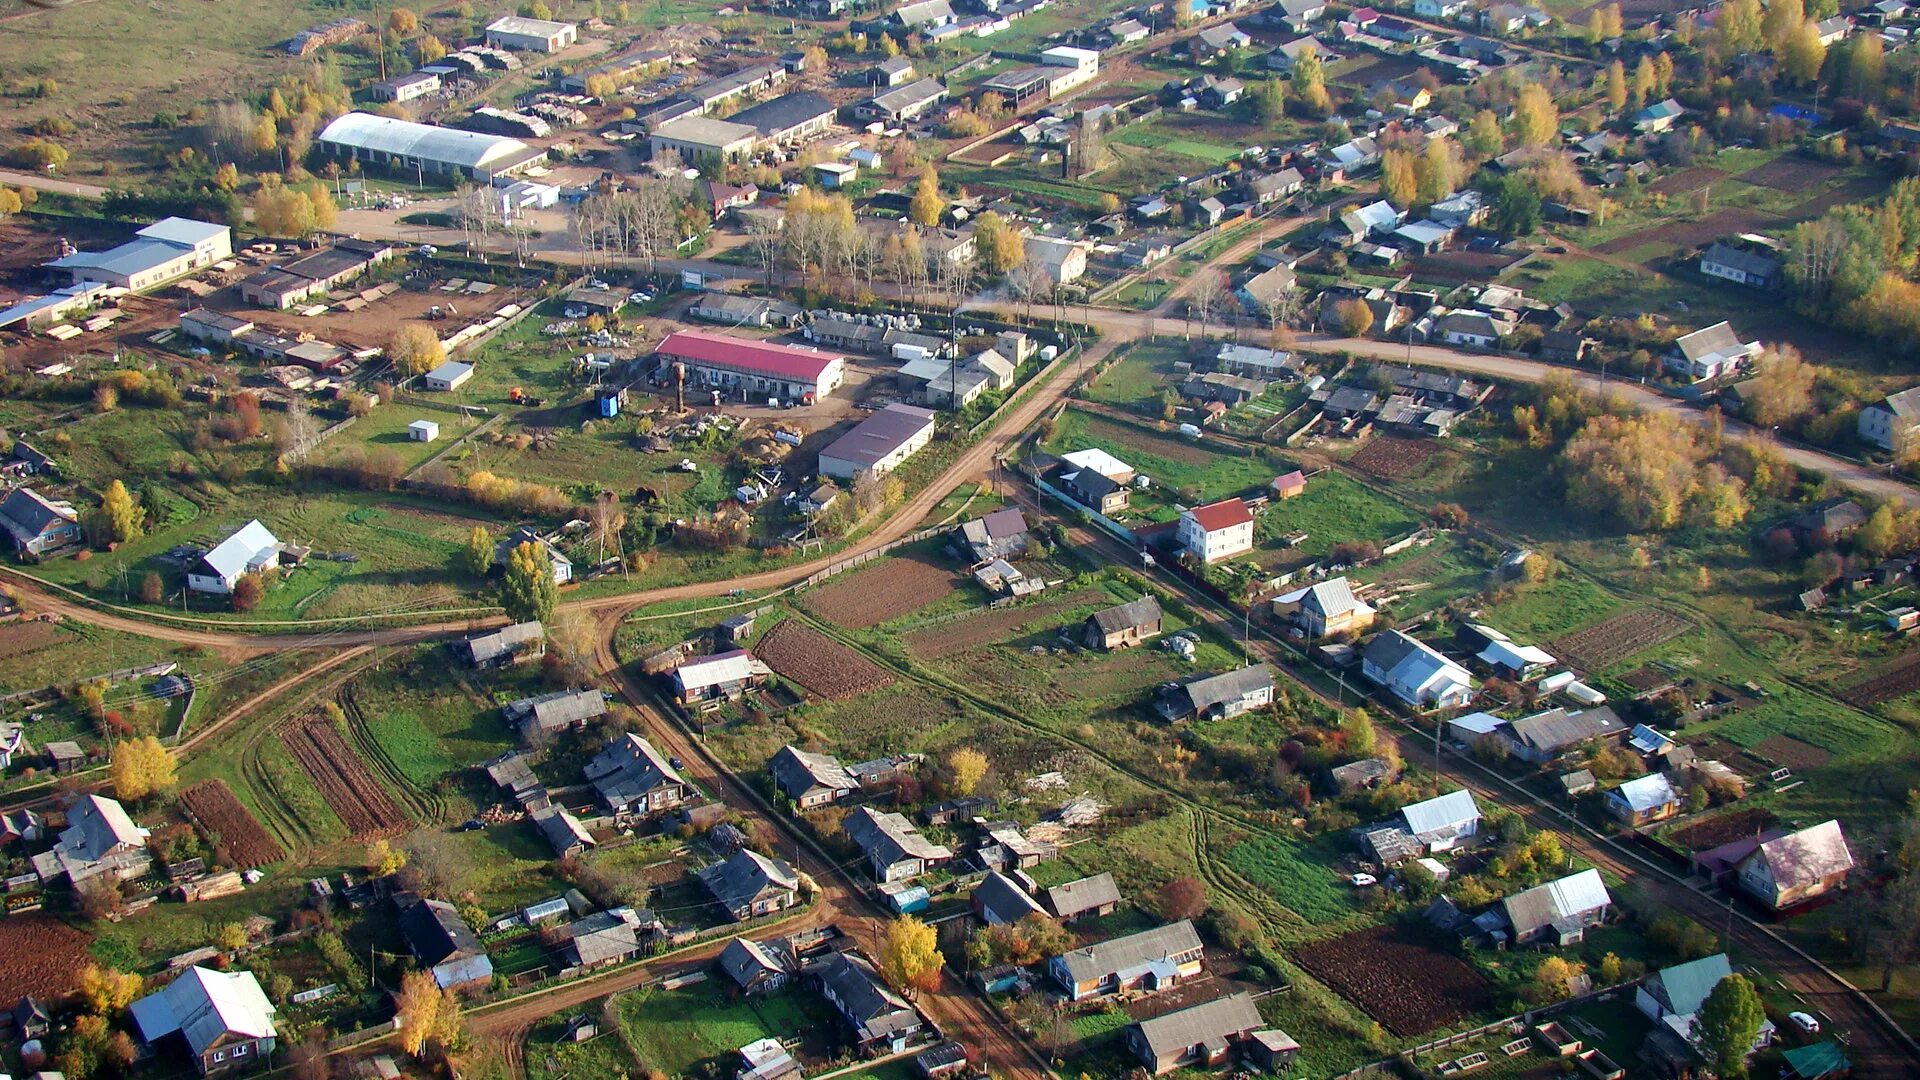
(1890, 422)
(451, 375)
(1443, 822)
(1440, 9)
(1710, 353)
(1216, 531)
(423, 431)
(1061, 261)
(531, 35)
(1415, 673)
(249, 550)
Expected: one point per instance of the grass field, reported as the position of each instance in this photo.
(1299, 879)
(1169, 459)
(1145, 136)
(1333, 509)
(425, 720)
(679, 1030)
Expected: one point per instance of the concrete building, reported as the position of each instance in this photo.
(1890, 422)
(205, 324)
(404, 88)
(250, 550)
(878, 444)
(167, 249)
(531, 35)
(753, 367)
(1216, 531)
(697, 139)
(410, 148)
(789, 119)
(281, 287)
(449, 376)
(1061, 260)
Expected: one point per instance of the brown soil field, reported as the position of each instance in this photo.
(1389, 458)
(1118, 435)
(1886, 682)
(40, 955)
(1612, 640)
(1687, 235)
(960, 635)
(344, 781)
(882, 593)
(1407, 985)
(1686, 180)
(1462, 266)
(822, 665)
(21, 638)
(1793, 753)
(242, 841)
(1791, 172)
(1859, 189)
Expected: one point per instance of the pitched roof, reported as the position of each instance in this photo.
(1099, 461)
(719, 669)
(1008, 902)
(1130, 615)
(1808, 856)
(1904, 404)
(880, 434)
(435, 933)
(797, 771)
(29, 513)
(1441, 812)
(875, 1011)
(1687, 985)
(889, 837)
(1086, 894)
(1130, 952)
(497, 643)
(784, 113)
(232, 556)
(1557, 729)
(1202, 692)
(557, 709)
(784, 361)
(745, 961)
(1541, 906)
(562, 830)
(1718, 340)
(1747, 262)
(203, 1005)
(96, 826)
(1224, 514)
(1332, 597)
(1646, 793)
(629, 768)
(744, 876)
(1210, 1023)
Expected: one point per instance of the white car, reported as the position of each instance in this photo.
(1805, 1022)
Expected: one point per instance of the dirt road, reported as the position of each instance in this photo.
(45, 182)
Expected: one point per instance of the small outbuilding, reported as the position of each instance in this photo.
(423, 431)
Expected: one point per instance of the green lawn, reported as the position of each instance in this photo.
(550, 1057)
(1294, 876)
(677, 1031)
(427, 722)
(1335, 508)
(1137, 377)
(1170, 460)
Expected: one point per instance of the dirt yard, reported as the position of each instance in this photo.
(1686, 180)
(1404, 983)
(374, 325)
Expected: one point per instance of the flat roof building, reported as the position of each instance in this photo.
(167, 249)
(789, 118)
(531, 35)
(410, 147)
(402, 88)
(281, 287)
(878, 444)
(699, 138)
(757, 367)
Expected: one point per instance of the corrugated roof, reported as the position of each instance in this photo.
(1647, 792)
(1441, 812)
(879, 435)
(1807, 856)
(1687, 985)
(1107, 957)
(798, 772)
(1086, 894)
(388, 135)
(718, 669)
(204, 1005)
(1211, 1023)
(784, 361)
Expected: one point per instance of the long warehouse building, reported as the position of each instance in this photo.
(753, 367)
(406, 146)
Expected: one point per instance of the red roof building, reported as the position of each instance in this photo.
(753, 368)
(1218, 530)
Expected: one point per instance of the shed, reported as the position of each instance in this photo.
(423, 431)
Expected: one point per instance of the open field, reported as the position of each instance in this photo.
(973, 631)
(1606, 643)
(349, 788)
(241, 841)
(1404, 983)
(1896, 679)
(822, 665)
(20, 638)
(882, 593)
(679, 1030)
(1203, 470)
(39, 955)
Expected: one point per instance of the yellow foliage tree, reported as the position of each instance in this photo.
(141, 767)
(419, 1004)
(968, 767)
(107, 992)
(910, 955)
(927, 204)
(383, 859)
(415, 349)
(1397, 182)
(1536, 119)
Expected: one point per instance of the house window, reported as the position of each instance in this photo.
(219, 1055)
(241, 1050)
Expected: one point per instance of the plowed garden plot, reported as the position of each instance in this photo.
(40, 955)
(882, 593)
(1610, 641)
(1389, 458)
(1725, 829)
(344, 781)
(242, 842)
(1687, 235)
(1790, 172)
(822, 665)
(1407, 985)
(1890, 681)
(960, 635)
(21, 638)
(1793, 753)
(1686, 180)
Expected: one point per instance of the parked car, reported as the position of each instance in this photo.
(1805, 1022)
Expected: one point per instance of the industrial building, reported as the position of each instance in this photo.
(700, 138)
(622, 69)
(167, 249)
(788, 119)
(757, 367)
(404, 88)
(903, 104)
(531, 35)
(281, 287)
(410, 147)
(879, 444)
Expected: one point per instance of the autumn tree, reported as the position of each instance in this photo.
(1436, 172)
(107, 992)
(1553, 980)
(927, 205)
(1728, 1024)
(1361, 737)
(427, 1016)
(383, 859)
(141, 767)
(1803, 54)
(248, 589)
(1270, 101)
(1781, 390)
(1650, 470)
(1352, 317)
(402, 21)
(415, 349)
(1536, 119)
(997, 246)
(527, 590)
(1779, 21)
(230, 937)
(1483, 138)
(1739, 27)
(1310, 83)
(1397, 182)
(477, 557)
(120, 518)
(152, 588)
(1616, 86)
(10, 203)
(1880, 534)
(966, 767)
(910, 956)
(1183, 898)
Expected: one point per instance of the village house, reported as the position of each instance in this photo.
(250, 550)
(1658, 117)
(999, 535)
(1888, 423)
(546, 715)
(1148, 961)
(13, 743)
(1288, 485)
(724, 675)
(1643, 801)
(508, 645)
(1217, 531)
(878, 1020)
(557, 560)
(30, 1018)
(443, 943)
(1123, 625)
(609, 937)
(1710, 353)
(1432, 826)
(1501, 654)
(37, 524)
(894, 848)
(756, 967)
(1672, 998)
(1793, 869)
(1084, 898)
(1216, 697)
(1095, 490)
(1413, 672)
(1545, 736)
(1000, 901)
(1198, 1036)
(1740, 266)
(748, 885)
(1363, 775)
(561, 830)
(1326, 609)
(100, 843)
(810, 780)
(222, 1017)
(1557, 913)
(633, 778)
